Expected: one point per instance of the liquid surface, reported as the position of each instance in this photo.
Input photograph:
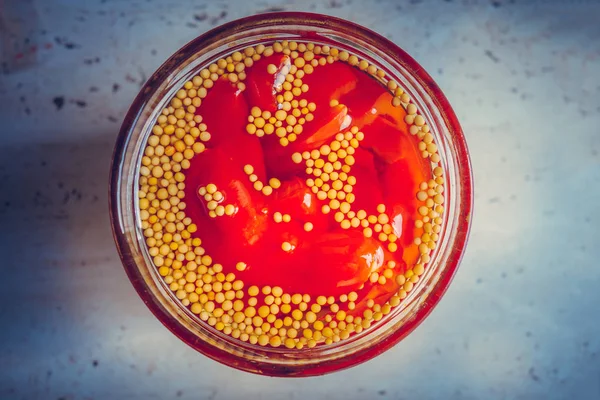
(301, 189)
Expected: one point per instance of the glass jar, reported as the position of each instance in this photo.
(251, 31)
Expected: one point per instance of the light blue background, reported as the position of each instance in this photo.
(521, 320)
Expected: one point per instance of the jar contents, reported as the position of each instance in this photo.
(291, 194)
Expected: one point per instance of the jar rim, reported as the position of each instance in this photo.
(279, 21)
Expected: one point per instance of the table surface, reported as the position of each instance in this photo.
(521, 318)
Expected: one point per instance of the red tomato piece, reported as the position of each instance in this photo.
(329, 82)
(260, 83)
(325, 126)
(361, 100)
(225, 113)
(348, 256)
(400, 181)
(329, 264)
(294, 197)
(316, 133)
(240, 231)
(367, 190)
(278, 160)
(386, 133)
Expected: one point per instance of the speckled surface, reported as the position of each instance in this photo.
(521, 319)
